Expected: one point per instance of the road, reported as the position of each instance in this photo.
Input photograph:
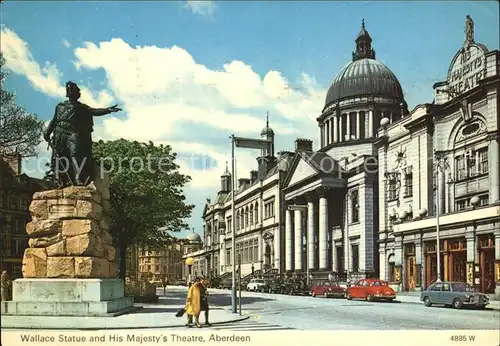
(274, 312)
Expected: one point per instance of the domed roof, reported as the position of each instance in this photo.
(226, 172)
(194, 237)
(364, 77)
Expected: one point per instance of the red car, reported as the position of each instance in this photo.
(327, 289)
(371, 289)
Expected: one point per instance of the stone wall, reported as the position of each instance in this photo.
(69, 234)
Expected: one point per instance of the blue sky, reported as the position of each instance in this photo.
(191, 73)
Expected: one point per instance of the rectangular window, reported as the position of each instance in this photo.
(355, 206)
(256, 250)
(483, 161)
(460, 170)
(268, 209)
(393, 189)
(229, 224)
(461, 204)
(228, 257)
(355, 258)
(484, 200)
(408, 182)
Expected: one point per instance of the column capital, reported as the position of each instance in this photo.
(493, 136)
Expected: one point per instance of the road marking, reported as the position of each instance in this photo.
(249, 325)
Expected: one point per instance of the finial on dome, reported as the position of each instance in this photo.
(226, 165)
(362, 23)
(267, 118)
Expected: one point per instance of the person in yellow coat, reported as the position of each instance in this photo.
(193, 302)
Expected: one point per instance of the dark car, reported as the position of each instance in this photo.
(276, 286)
(456, 294)
(296, 287)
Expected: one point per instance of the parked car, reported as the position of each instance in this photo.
(296, 287)
(276, 286)
(456, 294)
(256, 285)
(370, 289)
(327, 289)
(226, 283)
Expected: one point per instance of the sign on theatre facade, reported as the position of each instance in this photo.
(467, 69)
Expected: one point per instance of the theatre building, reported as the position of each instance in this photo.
(439, 180)
(368, 202)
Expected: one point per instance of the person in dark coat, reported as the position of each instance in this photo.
(204, 300)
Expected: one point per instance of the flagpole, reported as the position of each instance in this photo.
(233, 227)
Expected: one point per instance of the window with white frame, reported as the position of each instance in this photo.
(408, 174)
(256, 213)
(482, 161)
(269, 209)
(355, 206)
(392, 188)
(229, 224)
(251, 215)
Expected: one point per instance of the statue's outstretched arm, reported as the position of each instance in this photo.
(103, 111)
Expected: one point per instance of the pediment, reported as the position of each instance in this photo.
(303, 170)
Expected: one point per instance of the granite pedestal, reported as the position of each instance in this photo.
(67, 297)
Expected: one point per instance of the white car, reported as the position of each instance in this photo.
(256, 285)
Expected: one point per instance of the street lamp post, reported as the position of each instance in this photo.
(248, 143)
(441, 166)
(189, 262)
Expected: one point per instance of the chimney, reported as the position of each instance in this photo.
(14, 161)
(253, 176)
(242, 182)
(302, 144)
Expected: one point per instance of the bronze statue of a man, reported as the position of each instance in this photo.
(71, 141)
(469, 30)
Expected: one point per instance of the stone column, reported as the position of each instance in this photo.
(335, 129)
(334, 255)
(310, 235)
(358, 125)
(398, 260)
(276, 244)
(494, 176)
(470, 239)
(288, 241)
(322, 136)
(348, 127)
(298, 240)
(323, 233)
(418, 261)
(370, 123)
(341, 134)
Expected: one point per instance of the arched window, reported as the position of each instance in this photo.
(242, 220)
(238, 220)
(246, 217)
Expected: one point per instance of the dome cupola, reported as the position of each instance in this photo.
(364, 76)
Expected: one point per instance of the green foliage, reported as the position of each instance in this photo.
(141, 288)
(147, 199)
(20, 131)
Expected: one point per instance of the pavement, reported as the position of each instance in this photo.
(151, 316)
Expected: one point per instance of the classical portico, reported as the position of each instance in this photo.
(314, 182)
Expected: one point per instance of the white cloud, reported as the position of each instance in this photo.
(169, 98)
(66, 43)
(45, 79)
(204, 8)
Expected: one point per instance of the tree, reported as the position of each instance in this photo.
(20, 131)
(146, 193)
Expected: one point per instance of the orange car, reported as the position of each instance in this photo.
(371, 289)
